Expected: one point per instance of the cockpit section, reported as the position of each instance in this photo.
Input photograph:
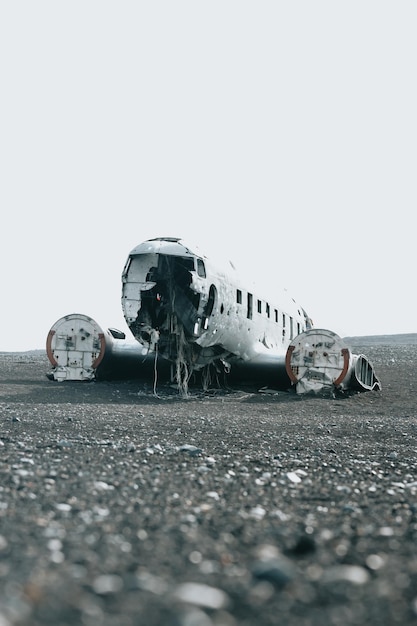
(166, 300)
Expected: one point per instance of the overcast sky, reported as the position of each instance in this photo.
(282, 134)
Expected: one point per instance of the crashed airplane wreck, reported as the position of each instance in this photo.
(203, 319)
(194, 321)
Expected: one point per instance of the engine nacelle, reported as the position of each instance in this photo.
(79, 349)
(318, 359)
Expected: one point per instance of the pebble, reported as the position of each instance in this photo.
(191, 450)
(64, 507)
(279, 571)
(201, 595)
(213, 494)
(375, 561)
(107, 584)
(101, 485)
(354, 574)
(257, 512)
(293, 477)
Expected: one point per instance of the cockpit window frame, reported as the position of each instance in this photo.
(201, 268)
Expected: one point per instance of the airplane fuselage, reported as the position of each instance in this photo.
(176, 301)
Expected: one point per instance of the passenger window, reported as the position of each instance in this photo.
(259, 306)
(250, 306)
(238, 296)
(201, 269)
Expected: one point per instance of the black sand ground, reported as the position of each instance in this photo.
(230, 508)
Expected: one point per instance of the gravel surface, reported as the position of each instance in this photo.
(233, 507)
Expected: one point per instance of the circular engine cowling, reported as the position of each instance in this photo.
(317, 359)
(75, 346)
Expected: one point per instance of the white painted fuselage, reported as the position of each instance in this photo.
(193, 312)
